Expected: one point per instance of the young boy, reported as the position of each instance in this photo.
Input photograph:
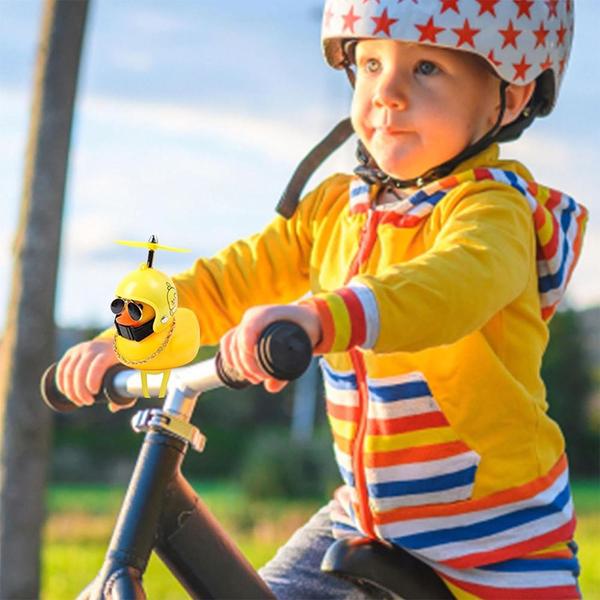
(433, 277)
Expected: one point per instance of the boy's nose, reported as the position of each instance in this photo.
(390, 93)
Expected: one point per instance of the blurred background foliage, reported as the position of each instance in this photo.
(571, 372)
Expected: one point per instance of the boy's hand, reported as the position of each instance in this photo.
(80, 371)
(238, 345)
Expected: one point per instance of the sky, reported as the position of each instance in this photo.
(191, 116)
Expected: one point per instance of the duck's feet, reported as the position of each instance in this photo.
(163, 384)
(145, 391)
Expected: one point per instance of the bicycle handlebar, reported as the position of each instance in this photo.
(284, 351)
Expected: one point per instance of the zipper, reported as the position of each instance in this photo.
(366, 243)
(364, 513)
(368, 237)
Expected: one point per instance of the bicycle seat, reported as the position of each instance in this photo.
(387, 568)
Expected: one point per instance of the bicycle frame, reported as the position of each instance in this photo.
(162, 512)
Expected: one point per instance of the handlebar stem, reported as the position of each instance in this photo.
(174, 417)
(155, 419)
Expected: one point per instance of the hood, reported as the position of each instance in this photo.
(559, 224)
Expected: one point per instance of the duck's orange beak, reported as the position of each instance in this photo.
(125, 318)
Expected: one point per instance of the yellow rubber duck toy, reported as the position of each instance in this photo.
(153, 334)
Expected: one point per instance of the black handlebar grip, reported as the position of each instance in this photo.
(284, 351)
(58, 402)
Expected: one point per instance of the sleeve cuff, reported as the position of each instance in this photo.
(349, 317)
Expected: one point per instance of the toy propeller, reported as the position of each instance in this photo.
(152, 245)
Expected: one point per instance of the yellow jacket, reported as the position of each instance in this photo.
(434, 338)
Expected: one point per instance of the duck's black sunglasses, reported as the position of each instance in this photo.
(117, 306)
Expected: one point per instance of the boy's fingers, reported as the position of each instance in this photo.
(113, 408)
(256, 322)
(68, 379)
(61, 372)
(79, 379)
(245, 344)
(97, 369)
(274, 385)
(231, 358)
(226, 349)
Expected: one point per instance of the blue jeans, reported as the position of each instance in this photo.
(294, 572)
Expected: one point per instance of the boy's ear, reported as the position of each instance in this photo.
(517, 97)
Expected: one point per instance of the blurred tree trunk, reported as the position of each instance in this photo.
(28, 345)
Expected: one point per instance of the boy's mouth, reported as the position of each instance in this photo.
(388, 131)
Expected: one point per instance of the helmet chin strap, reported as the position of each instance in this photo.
(136, 334)
(370, 173)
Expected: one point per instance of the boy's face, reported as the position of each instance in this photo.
(416, 106)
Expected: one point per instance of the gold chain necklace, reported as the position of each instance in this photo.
(148, 358)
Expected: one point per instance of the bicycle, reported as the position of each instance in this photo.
(162, 513)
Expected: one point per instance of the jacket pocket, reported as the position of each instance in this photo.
(412, 455)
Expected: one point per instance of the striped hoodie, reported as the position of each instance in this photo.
(434, 312)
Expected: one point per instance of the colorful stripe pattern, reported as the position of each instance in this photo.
(349, 317)
(420, 475)
(559, 223)
(550, 575)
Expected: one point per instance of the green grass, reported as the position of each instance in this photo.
(81, 519)
(70, 566)
(587, 504)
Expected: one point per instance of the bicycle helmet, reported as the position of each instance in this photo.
(153, 287)
(150, 285)
(521, 40)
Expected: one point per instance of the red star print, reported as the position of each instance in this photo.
(349, 19)
(540, 35)
(561, 65)
(560, 34)
(449, 5)
(466, 35)
(510, 35)
(521, 69)
(551, 4)
(547, 64)
(383, 23)
(328, 16)
(568, 6)
(524, 7)
(493, 59)
(429, 31)
(487, 6)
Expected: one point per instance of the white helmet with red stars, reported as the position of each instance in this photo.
(521, 39)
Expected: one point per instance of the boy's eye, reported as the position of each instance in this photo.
(426, 67)
(372, 65)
